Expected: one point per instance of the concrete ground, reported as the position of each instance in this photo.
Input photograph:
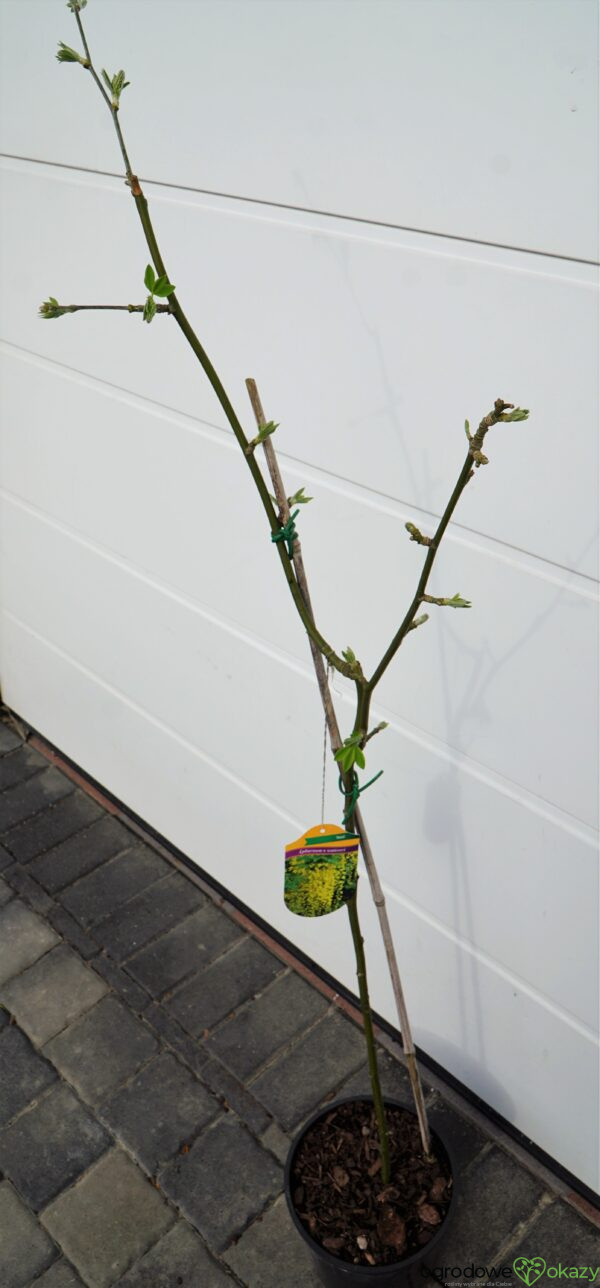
(156, 1056)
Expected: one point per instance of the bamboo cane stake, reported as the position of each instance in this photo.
(336, 742)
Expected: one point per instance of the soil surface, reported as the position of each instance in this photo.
(338, 1193)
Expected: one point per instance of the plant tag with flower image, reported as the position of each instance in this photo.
(320, 870)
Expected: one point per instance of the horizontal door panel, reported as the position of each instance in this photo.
(473, 120)
(370, 350)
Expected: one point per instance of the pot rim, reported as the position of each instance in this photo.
(405, 1263)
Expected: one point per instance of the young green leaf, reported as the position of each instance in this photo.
(163, 287)
(116, 84)
(348, 655)
(264, 432)
(149, 278)
(76, 5)
(299, 498)
(149, 309)
(467, 430)
(346, 757)
(119, 84)
(52, 309)
(519, 413)
(351, 753)
(456, 602)
(67, 55)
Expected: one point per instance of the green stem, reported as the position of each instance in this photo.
(405, 626)
(365, 1006)
(361, 722)
(125, 308)
(466, 473)
(113, 111)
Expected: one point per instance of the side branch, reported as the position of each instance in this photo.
(52, 309)
(474, 458)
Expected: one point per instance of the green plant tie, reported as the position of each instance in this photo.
(287, 533)
(354, 792)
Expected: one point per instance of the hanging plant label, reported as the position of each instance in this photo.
(320, 870)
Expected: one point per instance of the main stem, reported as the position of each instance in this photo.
(210, 372)
(361, 974)
(365, 1006)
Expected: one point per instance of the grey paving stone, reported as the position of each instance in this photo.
(492, 1197)
(23, 938)
(60, 1275)
(271, 1254)
(49, 1145)
(186, 949)
(25, 1249)
(147, 915)
(54, 825)
(9, 739)
(162, 1108)
(19, 766)
(394, 1079)
(108, 1220)
(194, 1054)
(224, 1181)
(294, 1085)
(207, 998)
(65, 924)
(232, 1095)
(30, 797)
(133, 994)
(107, 888)
(277, 1141)
(24, 884)
(102, 1050)
(465, 1140)
(287, 1008)
(562, 1238)
(23, 1073)
(6, 893)
(71, 859)
(5, 858)
(52, 993)
(179, 1258)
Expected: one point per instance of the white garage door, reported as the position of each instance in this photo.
(385, 213)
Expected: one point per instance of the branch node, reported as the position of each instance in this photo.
(417, 535)
(418, 621)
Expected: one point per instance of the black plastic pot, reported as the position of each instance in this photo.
(335, 1273)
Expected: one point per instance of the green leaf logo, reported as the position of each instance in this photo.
(529, 1269)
